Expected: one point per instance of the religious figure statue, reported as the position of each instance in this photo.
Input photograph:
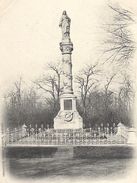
(65, 26)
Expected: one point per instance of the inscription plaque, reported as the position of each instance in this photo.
(68, 104)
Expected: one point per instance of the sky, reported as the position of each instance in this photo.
(30, 34)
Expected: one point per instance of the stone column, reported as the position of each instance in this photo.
(68, 117)
(66, 72)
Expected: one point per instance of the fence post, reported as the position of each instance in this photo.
(132, 136)
(7, 136)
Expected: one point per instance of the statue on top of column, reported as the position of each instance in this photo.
(65, 26)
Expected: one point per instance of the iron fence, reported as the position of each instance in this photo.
(29, 135)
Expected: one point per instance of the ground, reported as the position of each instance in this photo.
(36, 168)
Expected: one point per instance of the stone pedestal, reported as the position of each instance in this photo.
(132, 136)
(68, 117)
(122, 130)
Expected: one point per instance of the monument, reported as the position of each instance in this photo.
(68, 116)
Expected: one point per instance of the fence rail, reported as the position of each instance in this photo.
(28, 135)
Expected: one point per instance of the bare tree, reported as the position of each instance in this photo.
(126, 93)
(107, 90)
(15, 94)
(22, 105)
(14, 103)
(57, 71)
(119, 44)
(50, 84)
(107, 95)
(86, 81)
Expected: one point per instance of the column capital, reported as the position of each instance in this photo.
(66, 48)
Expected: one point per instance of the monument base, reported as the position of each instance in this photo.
(68, 117)
(61, 123)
